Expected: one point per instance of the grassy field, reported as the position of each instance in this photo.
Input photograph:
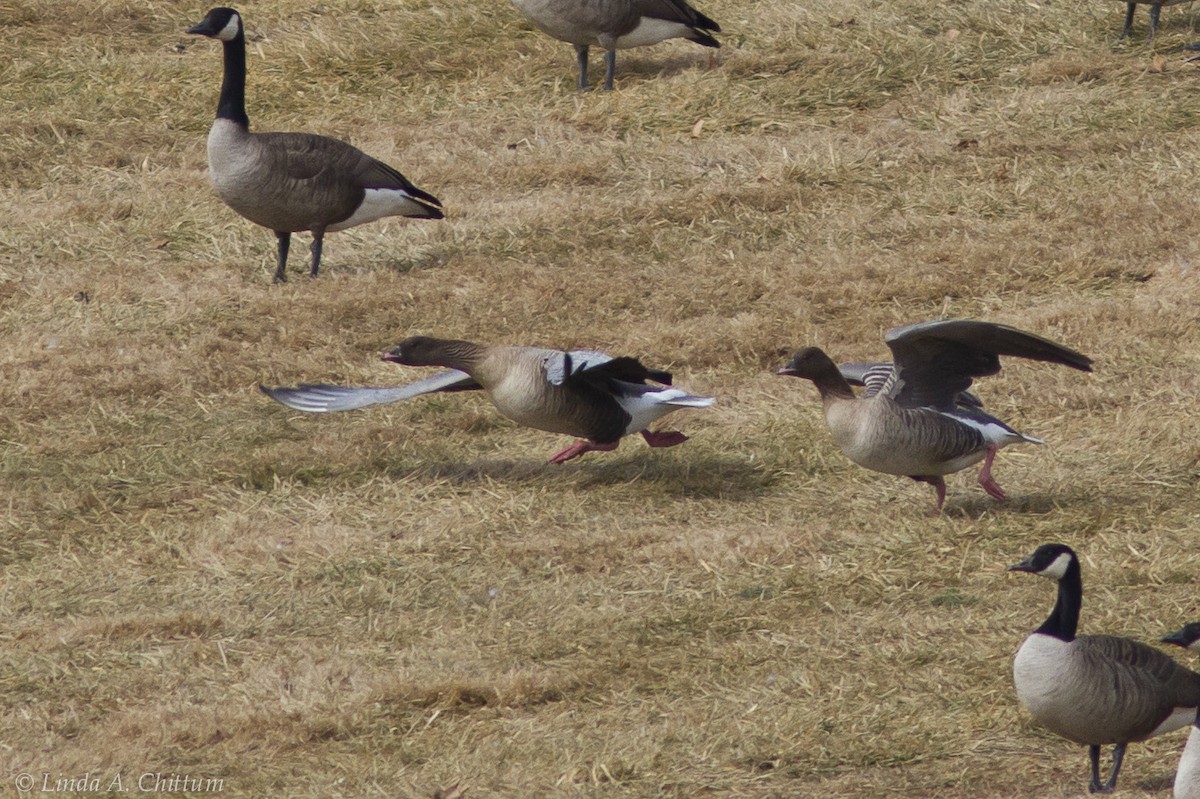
(196, 581)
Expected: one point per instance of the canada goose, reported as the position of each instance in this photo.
(290, 182)
(1096, 689)
(1187, 777)
(1156, 7)
(581, 393)
(916, 417)
(617, 25)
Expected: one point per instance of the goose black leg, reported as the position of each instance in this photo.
(581, 55)
(1155, 10)
(1129, 9)
(285, 241)
(315, 249)
(1118, 756)
(1094, 754)
(610, 68)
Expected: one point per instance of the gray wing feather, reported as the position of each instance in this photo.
(325, 398)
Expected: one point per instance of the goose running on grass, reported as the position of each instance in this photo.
(293, 182)
(582, 393)
(617, 25)
(916, 417)
(1096, 689)
(1187, 776)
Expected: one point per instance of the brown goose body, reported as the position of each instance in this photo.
(617, 25)
(292, 182)
(582, 393)
(916, 417)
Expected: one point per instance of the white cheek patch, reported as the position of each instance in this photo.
(1058, 568)
(232, 28)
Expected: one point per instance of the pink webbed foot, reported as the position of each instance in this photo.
(986, 480)
(664, 438)
(579, 448)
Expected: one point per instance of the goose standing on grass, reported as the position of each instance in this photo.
(1156, 7)
(581, 393)
(292, 182)
(916, 417)
(1187, 777)
(617, 25)
(1096, 689)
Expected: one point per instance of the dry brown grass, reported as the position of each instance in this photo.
(396, 601)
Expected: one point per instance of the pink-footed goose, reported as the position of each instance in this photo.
(1187, 776)
(916, 417)
(1096, 689)
(617, 25)
(582, 393)
(292, 182)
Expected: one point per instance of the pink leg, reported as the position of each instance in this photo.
(939, 486)
(664, 438)
(580, 447)
(985, 476)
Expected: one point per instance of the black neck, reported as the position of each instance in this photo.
(1064, 619)
(232, 104)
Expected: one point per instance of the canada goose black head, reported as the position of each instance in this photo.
(219, 23)
(1052, 561)
(1188, 637)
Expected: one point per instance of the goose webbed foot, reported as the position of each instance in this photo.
(610, 69)
(285, 242)
(581, 55)
(579, 448)
(318, 243)
(986, 480)
(664, 438)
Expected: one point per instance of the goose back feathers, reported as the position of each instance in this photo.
(916, 417)
(1096, 689)
(292, 182)
(582, 393)
(617, 25)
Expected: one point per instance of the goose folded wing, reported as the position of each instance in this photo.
(675, 11)
(1177, 686)
(597, 367)
(936, 361)
(312, 398)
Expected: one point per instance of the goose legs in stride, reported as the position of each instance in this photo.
(663, 438)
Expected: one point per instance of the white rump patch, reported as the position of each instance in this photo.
(652, 31)
(644, 409)
(231, 29)
(379, 203)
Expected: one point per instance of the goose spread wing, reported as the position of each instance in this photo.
(325, 398)
(936, 361)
